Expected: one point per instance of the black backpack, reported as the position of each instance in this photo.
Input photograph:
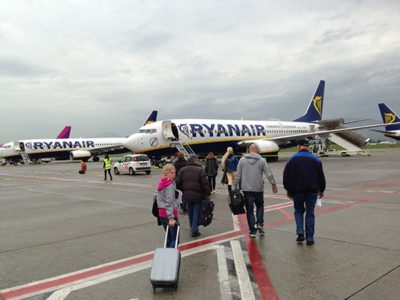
(206, 212)
(236, 202)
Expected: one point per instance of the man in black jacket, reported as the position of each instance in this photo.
(304, 181)
(192, 180)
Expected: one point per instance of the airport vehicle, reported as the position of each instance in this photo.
(131, 164)
(66, 148)
(163, 138)
(7, 151)
(389, 117)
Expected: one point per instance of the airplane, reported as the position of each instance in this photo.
(163, 138)
(389, 117)
(67, 148)
(6, 148)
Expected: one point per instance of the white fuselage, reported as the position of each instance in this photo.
(208, 135)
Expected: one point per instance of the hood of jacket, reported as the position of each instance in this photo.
(163, 183)
(252, 158)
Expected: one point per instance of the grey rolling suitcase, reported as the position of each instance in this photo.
(166, 264)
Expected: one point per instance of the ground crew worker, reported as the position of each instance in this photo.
(304, 181)
(83, 167)
(107, 167)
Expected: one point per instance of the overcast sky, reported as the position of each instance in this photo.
(103, 66)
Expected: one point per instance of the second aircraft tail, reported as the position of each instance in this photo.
(388, 116)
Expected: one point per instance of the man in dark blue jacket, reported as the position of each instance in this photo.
(304, 181)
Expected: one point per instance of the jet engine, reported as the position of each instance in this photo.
(80, 154)
(267, 148)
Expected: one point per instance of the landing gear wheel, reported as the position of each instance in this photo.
(96, 158)
(148, 172)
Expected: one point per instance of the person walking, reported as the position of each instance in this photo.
(192, 181)
(211, 169)
(107, 167)
(179, 163)
(168, 204)
(304, 181)
(249, 179)
(83, 167)
(229, 165)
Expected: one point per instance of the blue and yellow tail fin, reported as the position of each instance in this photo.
(152, 118)
(314, 110)
(388, 116)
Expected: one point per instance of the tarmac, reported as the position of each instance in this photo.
(70, 236)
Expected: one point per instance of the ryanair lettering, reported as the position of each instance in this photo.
(60, 145)
(230, 130)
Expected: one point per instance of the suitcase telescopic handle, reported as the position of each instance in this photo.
(177, 236)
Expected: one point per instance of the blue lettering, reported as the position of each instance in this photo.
(252, 130)
(260, 130)
(57, 145)
(90, 144)
(38, 145)
(222, 130)
(48, 145)
(67, 144)
(245, 130)
(233, 128)
(197, 128)
(83, 144)
(77, 144)
(210, 129)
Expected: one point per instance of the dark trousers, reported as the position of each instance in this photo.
(308, 200)
(211, 182)
(257, 198)
(194, 211)
(105, 174)
(171, 238)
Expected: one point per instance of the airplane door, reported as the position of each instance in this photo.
(167, 130)
(22, 146)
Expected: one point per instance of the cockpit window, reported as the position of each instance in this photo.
(148, 131)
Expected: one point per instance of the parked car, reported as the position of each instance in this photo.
(133, 163)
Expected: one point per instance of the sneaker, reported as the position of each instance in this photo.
(260, 229)
(252, 235)
(300, 238)
(196, 234)
(310, 243)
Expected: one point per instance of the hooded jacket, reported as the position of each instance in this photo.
(250, 170)
(166, 201)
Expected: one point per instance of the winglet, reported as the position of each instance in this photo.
(388, 116)
(152, 118)
(64, 134)
(314, 110)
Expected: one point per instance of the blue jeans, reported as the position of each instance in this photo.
(193, 211)
(309, 200)
(257, 198)
(171, 233)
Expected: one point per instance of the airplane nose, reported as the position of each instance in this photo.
(132, 143)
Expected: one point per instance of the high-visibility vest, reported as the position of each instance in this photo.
(107, 163)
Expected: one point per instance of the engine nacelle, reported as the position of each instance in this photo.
(80, 154)
(266, 147)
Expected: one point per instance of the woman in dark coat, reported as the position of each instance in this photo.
(211, 170)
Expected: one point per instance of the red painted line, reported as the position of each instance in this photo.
(52, 284)
(285, 213)
(264, 283)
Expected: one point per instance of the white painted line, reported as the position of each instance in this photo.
(246, 290)
(223, 276)
(60, 294)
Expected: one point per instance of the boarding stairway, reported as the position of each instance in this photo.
(351, 141)
(183, 147)
(25, 157)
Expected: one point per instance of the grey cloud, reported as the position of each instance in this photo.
(19, 68)
(330, 36)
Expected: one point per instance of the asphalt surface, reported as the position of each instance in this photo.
(70, 236)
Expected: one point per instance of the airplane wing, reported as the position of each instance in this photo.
(323, 133)
(105, 150)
